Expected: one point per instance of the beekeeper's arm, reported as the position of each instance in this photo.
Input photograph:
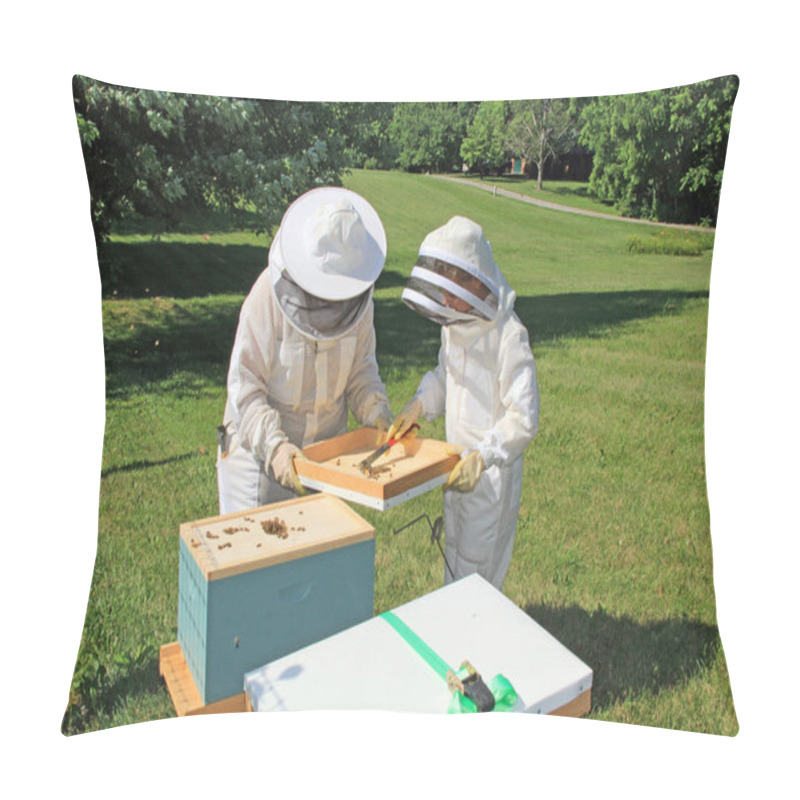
(519, 395)
(366, 393)
(257, 423)
(428, 402)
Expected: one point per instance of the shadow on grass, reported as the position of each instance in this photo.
(197, 221)
(185, 269)
(179, 269)
(574, 191)
(135, 466)
(628, 657)
(553, 317)
(195, 339)
(406, 339)
(390, 279)
(99, 692)
(183, 353)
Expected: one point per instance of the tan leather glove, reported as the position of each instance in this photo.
(283, 466)
(405, 419)
(465, 474)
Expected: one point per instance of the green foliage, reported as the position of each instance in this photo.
(166, 156)
(483, 147)
(429, 135)
(668, 242)
(660, 155)
(97, 687)
(701, 117)
(365, 131)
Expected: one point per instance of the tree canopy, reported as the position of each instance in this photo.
(166, 155)
(429, 135)
(660, 155)
(483, 147)
(366, 131)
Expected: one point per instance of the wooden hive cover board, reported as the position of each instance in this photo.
(335, 462)
(234, 543)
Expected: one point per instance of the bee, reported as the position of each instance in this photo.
(276, 527)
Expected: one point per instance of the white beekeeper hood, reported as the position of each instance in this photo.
(332, 243)
(455, 278)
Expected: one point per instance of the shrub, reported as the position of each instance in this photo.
(671, 242)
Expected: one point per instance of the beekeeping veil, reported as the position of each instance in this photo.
(325, 258)
(455, 278)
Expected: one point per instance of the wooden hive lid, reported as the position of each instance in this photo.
(231, 544)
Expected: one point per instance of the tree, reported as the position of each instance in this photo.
(365, 131)
(660, 155)
(701, 120)
(483, 147)
(165, 155)
(429, 135)
(540, 130)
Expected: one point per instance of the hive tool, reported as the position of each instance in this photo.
(365, 466)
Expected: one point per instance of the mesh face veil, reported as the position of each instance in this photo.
(317, 318)
(313, 316)
(448, 293)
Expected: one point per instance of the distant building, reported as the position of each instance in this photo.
(518, 166)
(573, 166)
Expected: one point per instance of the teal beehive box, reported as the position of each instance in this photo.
(256, 585)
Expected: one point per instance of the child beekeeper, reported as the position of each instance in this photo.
(485, 384)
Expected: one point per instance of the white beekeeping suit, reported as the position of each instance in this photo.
(304, 351)
(485, 384)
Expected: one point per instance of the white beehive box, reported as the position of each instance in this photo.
(370, 666)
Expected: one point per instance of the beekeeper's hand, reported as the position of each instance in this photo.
(405, 419)
(283, 466)
(382, 423)
(465, 474)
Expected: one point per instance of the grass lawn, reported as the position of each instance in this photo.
(613, 551)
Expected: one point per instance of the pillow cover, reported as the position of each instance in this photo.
(601, 215)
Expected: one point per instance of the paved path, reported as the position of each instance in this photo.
(497, 190)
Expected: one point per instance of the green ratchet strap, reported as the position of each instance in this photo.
(505, 697)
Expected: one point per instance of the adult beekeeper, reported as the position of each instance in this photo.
(485, 384)
(304, 352)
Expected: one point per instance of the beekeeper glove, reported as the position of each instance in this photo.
(383, 422)
(465, 474)
(283, 466)
(405, 419)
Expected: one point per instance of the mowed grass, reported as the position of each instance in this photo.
(613, 553)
